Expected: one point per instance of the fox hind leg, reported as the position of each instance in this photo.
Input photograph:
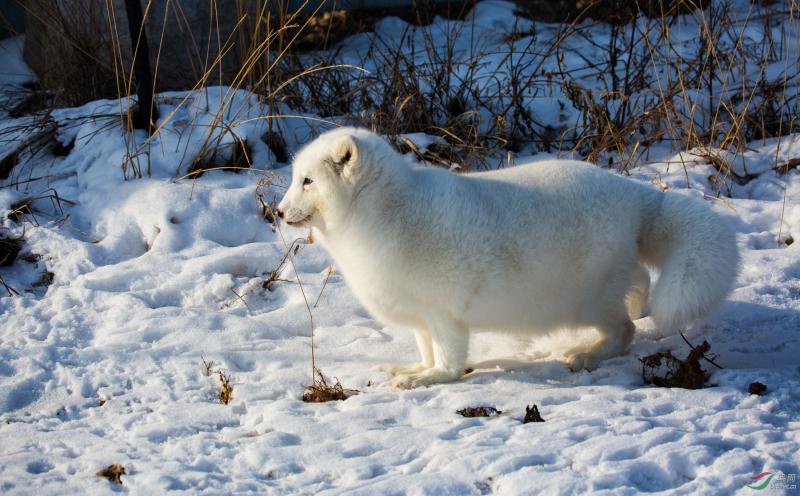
(615, 338)
(638, 294)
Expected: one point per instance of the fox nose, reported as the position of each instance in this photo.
(279, 211)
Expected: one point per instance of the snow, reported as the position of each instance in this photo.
(154, 275)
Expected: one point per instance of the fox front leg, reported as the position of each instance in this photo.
(425, 346)
(450, 340)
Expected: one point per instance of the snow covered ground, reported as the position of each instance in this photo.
(152, 276)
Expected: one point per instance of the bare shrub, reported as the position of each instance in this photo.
(69, 48)
(642, 84)
(647, 86)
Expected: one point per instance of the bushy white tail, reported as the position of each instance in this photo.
(696, 252)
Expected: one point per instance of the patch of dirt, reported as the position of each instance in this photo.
(479, 411)
(757, 388)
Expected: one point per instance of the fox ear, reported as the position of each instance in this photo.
(345, 156)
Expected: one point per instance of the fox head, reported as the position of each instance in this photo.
(325, 178)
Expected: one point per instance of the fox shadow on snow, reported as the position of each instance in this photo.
(743, 336)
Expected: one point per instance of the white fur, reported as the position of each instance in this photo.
(533, 248)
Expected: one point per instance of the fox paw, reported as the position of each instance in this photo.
(403, 369)
(423, 378)
(580, 361)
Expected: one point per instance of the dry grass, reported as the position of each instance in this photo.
(28, 139)
(714, 95)
(273, 276)
(225, 389)
(234, 157)
(29, 207)
(267, 200)
(207, 368)
(75, 63)
(9, 247)
(717, 94)
(37, 139)
(321, 392)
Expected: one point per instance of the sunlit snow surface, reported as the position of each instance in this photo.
(106, 364)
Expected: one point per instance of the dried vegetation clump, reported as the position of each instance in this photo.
(320, 391)
(663, 369)
(225, 391)
(113, 473)
(532, 415)
(30, 207)
(479, 411)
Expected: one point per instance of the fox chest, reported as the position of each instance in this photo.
(385, 292)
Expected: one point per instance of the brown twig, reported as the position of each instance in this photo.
(700, 351)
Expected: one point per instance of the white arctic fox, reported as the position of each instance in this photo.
(533, 248)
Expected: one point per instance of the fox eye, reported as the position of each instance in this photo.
(306, 183)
